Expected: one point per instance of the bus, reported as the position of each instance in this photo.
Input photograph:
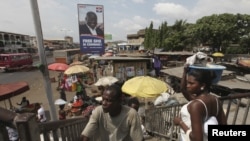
(66, 56)
(15, 61)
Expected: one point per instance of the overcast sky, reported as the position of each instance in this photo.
(121, 17)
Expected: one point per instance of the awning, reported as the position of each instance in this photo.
(12, 89)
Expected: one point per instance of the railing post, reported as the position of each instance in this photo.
(3, 133)
(27, 127)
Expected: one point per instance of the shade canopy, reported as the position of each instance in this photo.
(58, 66)
(144, 86)
(218, 54)
(60, 102)
(106, 81)
(12, 89)
(75, 69)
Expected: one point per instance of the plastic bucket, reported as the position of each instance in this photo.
(218, 69)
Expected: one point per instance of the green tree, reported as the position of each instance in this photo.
(176, 39)
(217, 31)
(149, 37)
(162, 33)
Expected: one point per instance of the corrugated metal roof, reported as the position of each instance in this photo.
(234, 83)
(121, 58)
(230, 83)
(174, 53)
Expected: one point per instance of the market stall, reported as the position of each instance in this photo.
(124, 67)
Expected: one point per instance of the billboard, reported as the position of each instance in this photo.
(108, 36)
(91, 28)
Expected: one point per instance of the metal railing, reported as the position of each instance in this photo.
(65, 130)
(159, 120)
(61, 130)
(236, 108)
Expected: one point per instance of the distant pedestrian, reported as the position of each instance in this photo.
(80, 89)
(102, 70)
(157, 66)
(95, 72)
(41, 117)
(60, 79)
(62, 94)
(62, 112)
(133, 102)
(25, 102)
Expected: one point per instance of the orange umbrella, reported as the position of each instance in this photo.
(58, 66)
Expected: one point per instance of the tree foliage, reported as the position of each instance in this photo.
(217, 31)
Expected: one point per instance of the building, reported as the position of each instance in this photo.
(135, 41)
(20, 43)
(14, 43)
(55, 44)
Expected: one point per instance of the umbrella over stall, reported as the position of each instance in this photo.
(58, 66)
(60, 102)
(144, 86)
(218, 54)
(12, 89)
(75, 69)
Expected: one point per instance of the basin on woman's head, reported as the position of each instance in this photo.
(218, 69)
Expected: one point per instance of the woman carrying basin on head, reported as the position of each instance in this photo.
(202, 106)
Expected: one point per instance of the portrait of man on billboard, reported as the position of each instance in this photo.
(90, 26)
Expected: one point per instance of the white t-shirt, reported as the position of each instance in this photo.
(13, 134)
(41, 114)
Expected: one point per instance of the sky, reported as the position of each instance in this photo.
(121, 17)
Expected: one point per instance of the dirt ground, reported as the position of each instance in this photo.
(37, 93)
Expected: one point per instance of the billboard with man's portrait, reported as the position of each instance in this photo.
(91, 28)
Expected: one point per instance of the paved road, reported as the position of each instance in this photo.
(24, 75)
(34, 78)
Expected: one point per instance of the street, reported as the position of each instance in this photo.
(29, 76)
(37, 91)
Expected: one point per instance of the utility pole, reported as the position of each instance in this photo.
(42, 56)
